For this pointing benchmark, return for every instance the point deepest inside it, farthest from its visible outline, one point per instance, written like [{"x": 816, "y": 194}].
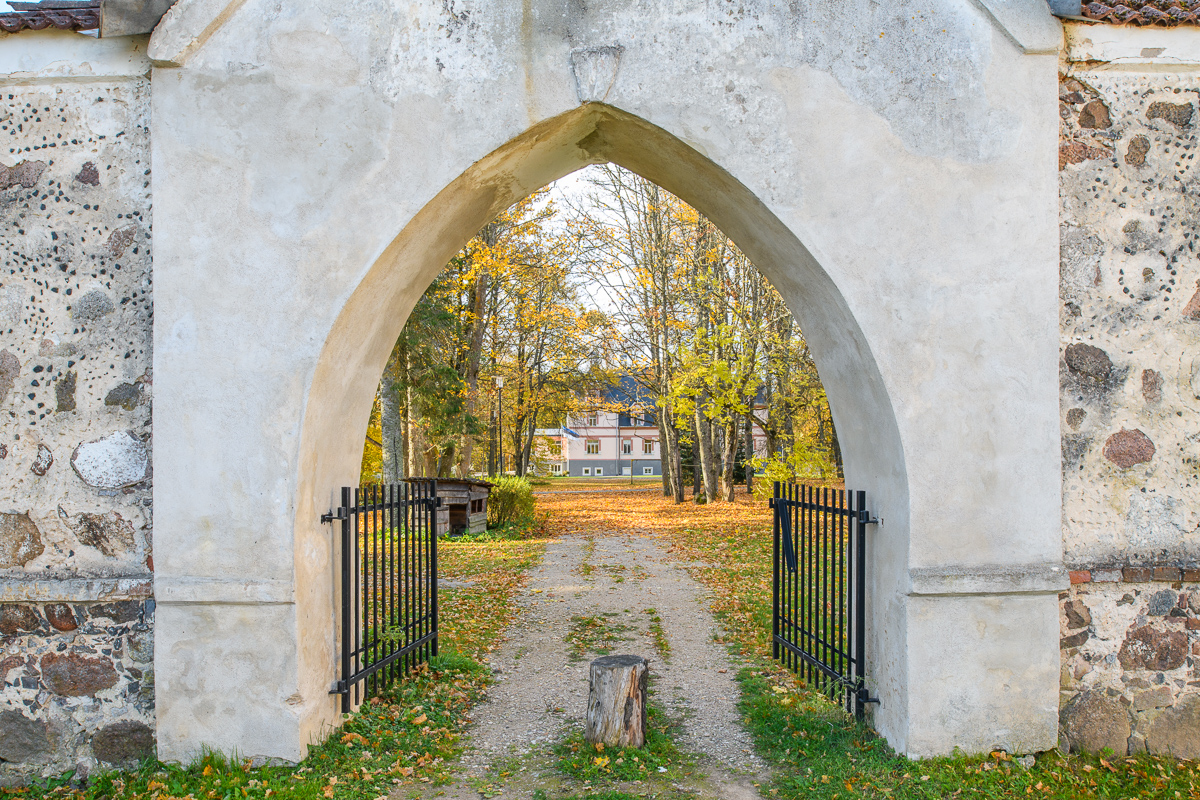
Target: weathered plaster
[{"x": 316, "y": 166}]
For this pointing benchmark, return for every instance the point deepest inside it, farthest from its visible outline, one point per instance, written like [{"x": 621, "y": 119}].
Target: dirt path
[{"x": 599, "y": 593}]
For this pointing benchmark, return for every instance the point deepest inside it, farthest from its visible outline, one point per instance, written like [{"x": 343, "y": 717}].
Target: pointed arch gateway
[
  {"x": 316, "y": 166},
  {"x": 357, "y": 349}
]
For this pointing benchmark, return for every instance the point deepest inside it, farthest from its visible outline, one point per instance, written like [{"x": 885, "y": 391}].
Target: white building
[{"x": 601, "y": 443}]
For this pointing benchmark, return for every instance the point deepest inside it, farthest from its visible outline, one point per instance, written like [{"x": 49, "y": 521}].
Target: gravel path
[{"x": 541, "y": 693}]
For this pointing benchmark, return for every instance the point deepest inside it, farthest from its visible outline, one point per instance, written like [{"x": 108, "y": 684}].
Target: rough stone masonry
[
  {"x": 1130, "y": 381},
  {"x": 76, "y": 644}
]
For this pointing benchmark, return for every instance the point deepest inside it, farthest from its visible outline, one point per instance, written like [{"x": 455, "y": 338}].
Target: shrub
[{"x": 511, "y": 501}]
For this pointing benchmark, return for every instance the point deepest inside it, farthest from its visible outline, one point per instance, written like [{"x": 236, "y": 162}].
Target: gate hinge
[
  {"x": 341, "y": 513},
  {"x": 865, "y": 518},
  {"x": 339, "y": 687}
]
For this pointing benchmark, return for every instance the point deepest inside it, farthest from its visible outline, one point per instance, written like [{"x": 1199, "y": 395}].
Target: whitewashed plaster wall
[{"x": 890, "y": 167}]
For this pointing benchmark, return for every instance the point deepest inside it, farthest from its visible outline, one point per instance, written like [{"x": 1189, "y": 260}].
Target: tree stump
[{"x": 616, "y": 710}]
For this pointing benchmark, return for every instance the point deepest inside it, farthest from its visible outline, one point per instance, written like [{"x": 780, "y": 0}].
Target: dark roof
[
  {"x": 1164, "y": 13},
  {"x": 627, "y": 393},
  {"x": 67, "y": 15}
]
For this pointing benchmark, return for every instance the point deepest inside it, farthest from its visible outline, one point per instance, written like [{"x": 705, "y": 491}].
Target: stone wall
[
  {"x": 1130, "y": 389},
  {"x": 75, "y": 357}
]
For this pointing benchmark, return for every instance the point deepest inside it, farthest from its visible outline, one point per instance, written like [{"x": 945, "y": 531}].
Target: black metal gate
[
  {"x": 389, "y": 584},
  {"x": 819, "y": 614}
]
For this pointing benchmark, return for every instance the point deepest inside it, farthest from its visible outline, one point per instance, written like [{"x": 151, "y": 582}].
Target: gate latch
[{"x": 341, "y": 513}]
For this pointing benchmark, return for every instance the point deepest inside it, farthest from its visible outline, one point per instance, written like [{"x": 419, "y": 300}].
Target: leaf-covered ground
[
  {"x": 815, "y": 750},
  {"x": 410, "y": 736},
  {"x": 413, "y": 736}
]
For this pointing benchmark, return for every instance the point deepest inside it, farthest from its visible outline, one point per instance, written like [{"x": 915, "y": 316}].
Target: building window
[
  {"x": 556, "y": 448},
  {"x": 593, "y": 447},
  {"x": 627, "y": 447},
  {"x": 647, "y": 470},
  {"x": 599, "y": 470},
  {"x": 592, "y": 419},
  {"x": 587, "y": 470},
  {"x": 556, "y": 469},
  {"x": 648, "y": 447}
]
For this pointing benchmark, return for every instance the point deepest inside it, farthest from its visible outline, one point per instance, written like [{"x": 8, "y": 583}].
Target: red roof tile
[
  {"x": 1164, "y": 13},
  {"x": 67, "y": 15}
]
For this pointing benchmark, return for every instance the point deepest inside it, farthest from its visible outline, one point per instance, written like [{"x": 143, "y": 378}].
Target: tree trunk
[
  {"x": 729, "y": 459},
  {"x": 616, "y": 709},
  {"x": 704, "y": 452},
  {"x": 410, "y": 443},
  {"x": 670, "y": 454},
  {"x": 390, "y": 428},
  {"x": 748, "y": 466}
]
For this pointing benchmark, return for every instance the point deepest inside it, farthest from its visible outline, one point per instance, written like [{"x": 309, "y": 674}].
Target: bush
[{"x": 511, "y": 501}]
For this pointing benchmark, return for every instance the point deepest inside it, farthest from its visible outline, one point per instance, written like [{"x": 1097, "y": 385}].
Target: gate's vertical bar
[
  {"x": 860, "y": 611},
  {"x": 420, "y": 574},
  {"x": 802, "y": 572},
  {"x": 806, "y": 585},
  {"x": 794, "y": 610},
  {"x": 775, "y": 555},
  {"x": 389, "y": 526},
  {"x": 843, "y": 637},
  {"x": 433, "y": 568},
  {"x": 409, "y": 491},
  {"x": 358, "y": 581},
  {"x": 788, "y": 577},
  {"x": 371, "y": 584},
  {"x": 425, "y": 574},
  {"x": 823, "y": 575},
  {"x": 346, "y": 601}
]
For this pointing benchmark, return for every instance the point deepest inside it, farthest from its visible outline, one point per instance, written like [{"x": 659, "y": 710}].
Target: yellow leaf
[
  {"x": 208, "y": 770},
  {"x": 350, "y": 738},
  {"x": 600, "y": 761},
  {"x": 329, "y": 791},
  {"x": 421, "y": 720},
  {"x": 155, "y": 786}
]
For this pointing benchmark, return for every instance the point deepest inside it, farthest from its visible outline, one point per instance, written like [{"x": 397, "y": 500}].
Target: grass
[
  {"x": 594, "y": 764},
  {"x": 594, "y": 634},
  {"x": 659, "y": 636},
  {"x": 408, "y": 737},
  {"x": 411, "y": 733},
  {"x": 813, "y": 748}
]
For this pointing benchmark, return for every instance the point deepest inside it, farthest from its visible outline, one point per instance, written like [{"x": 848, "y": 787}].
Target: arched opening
[{"x": 357, "y": 348}]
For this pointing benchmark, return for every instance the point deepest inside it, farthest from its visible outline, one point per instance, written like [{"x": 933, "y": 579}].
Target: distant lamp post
[{"x": 500, "y": 419}]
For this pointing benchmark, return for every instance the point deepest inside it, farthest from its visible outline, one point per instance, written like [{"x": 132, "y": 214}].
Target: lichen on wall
[
  {"x": 1130, "y": 390},
  {"x": 75, "y": 381}
]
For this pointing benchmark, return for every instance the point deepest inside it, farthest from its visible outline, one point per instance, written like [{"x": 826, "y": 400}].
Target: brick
[
  {"x": 1137, "y": 574},
  {"x": 1191, "y": 575},
  {"x": 1081, "y": 576},
  {"x": 1169, "y": 574},
  {"x": 1193, "y": 624},
  {"x": 1108, "y": 575}
]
